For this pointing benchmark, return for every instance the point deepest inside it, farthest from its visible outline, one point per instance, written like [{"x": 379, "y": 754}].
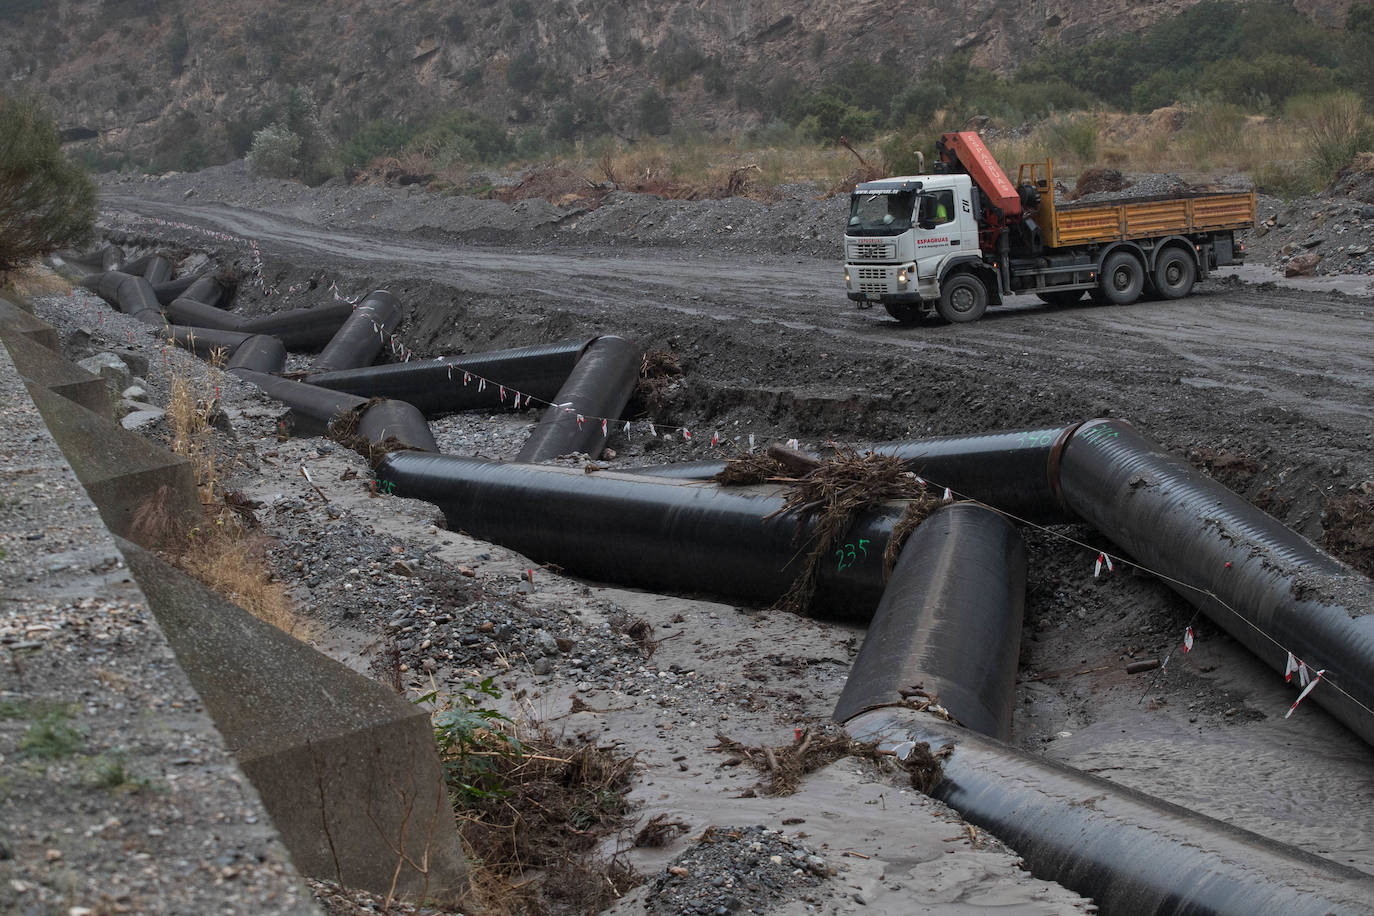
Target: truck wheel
[
  {"x": 963, "y": 297},
  {"x": 1122, "y": 278},
  {"x": 1175, "y": 274},
  {"x": 1061, "y": 296},
  {"x": 904, "y": 312}
]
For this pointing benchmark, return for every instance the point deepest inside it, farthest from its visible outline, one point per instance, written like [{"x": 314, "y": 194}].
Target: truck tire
[
  {"x": 904, "y": 312},
  {"x": 1175, "y": 273},
  {"x": 1061, "y": 296},
  {"x": 1122, "y": 278},
  {"x": 963, "y": 297}
]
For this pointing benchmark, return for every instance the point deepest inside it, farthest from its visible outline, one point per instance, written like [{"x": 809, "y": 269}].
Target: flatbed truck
[{"x": 953, "y": 243}]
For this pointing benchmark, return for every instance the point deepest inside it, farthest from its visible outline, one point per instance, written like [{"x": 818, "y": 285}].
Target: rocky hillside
[{"x": 182, "y": 83}]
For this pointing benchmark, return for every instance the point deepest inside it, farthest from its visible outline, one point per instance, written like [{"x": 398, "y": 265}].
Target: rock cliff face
[{"x": 185, "y": 82}]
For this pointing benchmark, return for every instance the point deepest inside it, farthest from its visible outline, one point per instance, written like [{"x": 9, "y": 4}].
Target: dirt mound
[
  {"x": 559, "y": 186},
  {"x": 1096, "y": 180}
]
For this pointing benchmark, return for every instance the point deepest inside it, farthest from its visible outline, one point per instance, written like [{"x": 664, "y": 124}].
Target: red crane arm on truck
[{"x": 965, "y": 149}]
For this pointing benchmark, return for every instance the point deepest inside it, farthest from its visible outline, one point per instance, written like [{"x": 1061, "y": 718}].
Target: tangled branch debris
[
  {"x": 784, "y": 766},
  {"x": 833, "y": 494}
]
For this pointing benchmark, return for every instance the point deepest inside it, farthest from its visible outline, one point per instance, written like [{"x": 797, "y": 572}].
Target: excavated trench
[{"x": 947, "y": 620}]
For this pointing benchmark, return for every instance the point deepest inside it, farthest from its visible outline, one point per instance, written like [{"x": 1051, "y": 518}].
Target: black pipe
[
  {"x": 302, "y": 329},
  {"x": 648, "y": 533},
  {"x": 948, "y": 622},
  {"x": 159, "y": 270},
  {"x": 259, "y": 352},
  {"x": 186, "y": 310},
  {"x": 1274, "y": 590},
  {"x": 363, "y": 335},
  {"x": 132, "y": 295},
  {"x": 171, "y": 289},
  {"x": 1130, "y": 852},
  {"x": 1013, "y": 472},
  {"x": 390, "y": 423},
  {"x": 679, "y": 470},
  {"x": 312, "y": 408},
  {"x": 205, "y": 341},
  {"x": 137, "y": 266},
  {"x": 599, "y": 386},
  {"x": 437, "y": 386}
]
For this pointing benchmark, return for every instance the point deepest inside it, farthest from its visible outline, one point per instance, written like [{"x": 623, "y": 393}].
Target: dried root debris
[
  {"x": 784, "y": 766},
  {"x": 536, "y": 846},
  {"x": 1348, "y": 529},
  {"x": 831, "y": 497}
]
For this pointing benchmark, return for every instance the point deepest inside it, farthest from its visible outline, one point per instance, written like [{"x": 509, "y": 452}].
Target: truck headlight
[
  {"x": 901, "y": 277},
  {"x": 846, "y": 276}
]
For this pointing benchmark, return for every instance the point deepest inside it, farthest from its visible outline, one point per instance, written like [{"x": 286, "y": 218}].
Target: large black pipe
[
  {"x": 132, "y": 295},
  {"x": 137, "y": 266},
  {"x": 196, "y": 313},
  {"x": 396, "y": 423},
  {"x": 1266, "y": 585},
  {"x": 949, "y": 622},
  {"x": 159, "y": 270},
  {"x": 1014, "y": 472},
  {"x": 363, "y": 335},
  {"x": 648, "y": 533},
  {"x": 437, "y": 386},
  {"x": 599, "y": 386},
  {"x": 205, "y": 341},
  {"x": 312, "y": 408},
  {"x": 1130, "y": 852},
  {"x": 259, "y": 352},
  {"x": 302, "y": 329},
  {"x": 169, "y": 290}
]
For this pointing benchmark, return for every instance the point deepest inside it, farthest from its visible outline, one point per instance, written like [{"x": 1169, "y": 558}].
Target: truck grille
[
  {"x": 873, "y": 279},
  {"x": 872, "y": 251}
]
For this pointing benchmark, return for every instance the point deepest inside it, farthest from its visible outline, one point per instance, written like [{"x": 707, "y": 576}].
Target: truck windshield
[{"x": 880, "y": 214}]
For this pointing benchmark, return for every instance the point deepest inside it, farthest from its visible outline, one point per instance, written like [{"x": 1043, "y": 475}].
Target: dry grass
[
  {"x": 784, "y": 766},
  {"x": 223, "y": 549},
  {"x": 35, "y": 280}
]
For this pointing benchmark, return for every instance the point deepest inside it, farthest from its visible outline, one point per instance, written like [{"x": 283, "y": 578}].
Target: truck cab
[{"x": 904, "y": 235}]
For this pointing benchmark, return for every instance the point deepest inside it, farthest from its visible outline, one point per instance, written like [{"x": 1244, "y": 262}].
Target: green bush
[
  {"x": 525, "y": 71},
  {"x": 375, "y": 138},
  {"x": 654, "y": 115},
  {"x": 463, "y": 137},
  {"x": 47, "y": 202},
  {"x": 1074, "y": 137},
  {"x": 275, "y": 152},
  {"x": 901, "y": 148},
  {"x": 1336, "y": 126}
]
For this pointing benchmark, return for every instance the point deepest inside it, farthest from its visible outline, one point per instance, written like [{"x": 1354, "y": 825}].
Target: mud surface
[{"x": 1268, "y": 387}]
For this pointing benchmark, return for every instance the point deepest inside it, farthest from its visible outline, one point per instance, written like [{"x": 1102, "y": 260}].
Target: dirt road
[{"x": 1269, "y": 388}]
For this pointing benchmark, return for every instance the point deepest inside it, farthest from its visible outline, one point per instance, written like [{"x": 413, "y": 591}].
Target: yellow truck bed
[{"x": 1080, "y": 224}]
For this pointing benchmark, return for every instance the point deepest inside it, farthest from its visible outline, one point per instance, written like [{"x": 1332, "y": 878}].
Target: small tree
[
  {"x": 275, "y": 152},
  {"x": 46, "y": 201}
]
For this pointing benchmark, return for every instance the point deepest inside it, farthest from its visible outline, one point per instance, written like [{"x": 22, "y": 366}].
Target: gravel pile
[{"x": 737, "y": 870}]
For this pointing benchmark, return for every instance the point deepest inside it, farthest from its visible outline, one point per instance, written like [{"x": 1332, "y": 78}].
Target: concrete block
[
  {"x": 40, "y": 365},
  {"x": 120, "y": 470},
  {"x": 108, "y": 366},
  {"x": 347, "y": 769},
  {"x": 28, "y": 324}
]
